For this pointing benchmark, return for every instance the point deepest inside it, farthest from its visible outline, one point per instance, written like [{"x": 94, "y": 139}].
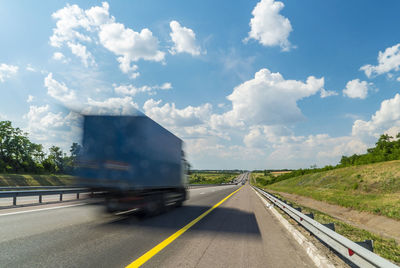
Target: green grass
[
  {"x": 386, "y": 248},
  {"x": 211, "y": 177},
  {"x": 373, "y": 188},
  {"x": 35, "y": 180}
]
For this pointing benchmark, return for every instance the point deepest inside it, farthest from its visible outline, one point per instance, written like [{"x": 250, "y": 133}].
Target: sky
[{"x": 245, "y": 84}]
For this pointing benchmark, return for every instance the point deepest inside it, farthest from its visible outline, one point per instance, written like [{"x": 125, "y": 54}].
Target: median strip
[{"x": 148, "y": 255}]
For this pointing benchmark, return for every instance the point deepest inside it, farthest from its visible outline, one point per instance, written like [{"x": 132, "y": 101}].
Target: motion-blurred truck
[{"x": 133, "y": 163}]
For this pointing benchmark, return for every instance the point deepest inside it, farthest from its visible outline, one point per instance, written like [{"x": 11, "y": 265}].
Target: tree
[
  {"x": 56, "y": 155},
  {"x": 16, "y": 150},
  {"x": 75, "y": 149}
]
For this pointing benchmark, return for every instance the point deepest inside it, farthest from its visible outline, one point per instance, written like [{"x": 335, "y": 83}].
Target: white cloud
[
  {"x": 7, "y": 71},
  {"x": 169, "y": 115},
  {"x": 40, "y": 119},
  {"x": 132, "y": 90},
  {"x": 81, "y": 52},
  {"x": 221, "y": 105},
  {"x": 99, "y": 15},
  {"x": 30, "y": 68},
  {"x": 130, "y": 45},
  {"x": 262, "y": 136},
  {"x": 58, "y": 56},
  {"x": 116, "y": 106},
  {"x": 49, "y": 128},
  {"x": 282, "y": 148},
  {"x": 328, "y": 93},
  {"x": 388, "y": 60},
  {"x": 268, "y": 99},
  {"x": 184, "y": 40},
  {"x": 30, "y": 99},
  {"x": 320, "y": 149},
  {"x": 268, "y": 26},
  {"x": 75, "y": 25},
  {"x": 126, "y": 67},
  {"x": 388, "y": 116},
  {"x": 70, "y": 19},
  {"x": 59, "y": 90},
  {"x": 356, "y": 89}
]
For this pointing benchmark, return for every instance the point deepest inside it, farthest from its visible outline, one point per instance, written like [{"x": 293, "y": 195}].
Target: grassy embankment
[
  {"x": 211, "y": 177},
  {"x": 373, "y": 188},
  {"x": 35, "y": 180}
]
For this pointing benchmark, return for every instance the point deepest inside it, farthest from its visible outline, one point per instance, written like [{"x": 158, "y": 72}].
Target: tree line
[
  {"x": 19, "y": 155},
  {"x": 386, "y": 148}
]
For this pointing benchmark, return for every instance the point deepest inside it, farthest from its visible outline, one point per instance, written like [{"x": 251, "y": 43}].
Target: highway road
[{"x": 240, "y": 232}]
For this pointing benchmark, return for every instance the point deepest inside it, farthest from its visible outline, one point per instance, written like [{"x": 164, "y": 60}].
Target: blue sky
[{"x": 246, "y": 84}]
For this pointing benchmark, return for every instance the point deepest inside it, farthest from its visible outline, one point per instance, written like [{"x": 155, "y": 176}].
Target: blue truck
[{"x": 133, "y": 162}]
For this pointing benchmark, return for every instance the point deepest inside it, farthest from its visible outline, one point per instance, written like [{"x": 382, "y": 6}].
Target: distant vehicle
[{"x": 134, "y": 162}]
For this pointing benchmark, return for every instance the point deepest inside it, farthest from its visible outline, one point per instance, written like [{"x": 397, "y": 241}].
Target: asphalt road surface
[{"x": 238, "y": 233}]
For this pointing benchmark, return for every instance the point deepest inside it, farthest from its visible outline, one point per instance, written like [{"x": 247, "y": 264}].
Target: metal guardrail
[
  {"x": 353, "y": 252},
  {"x": 17, "y": 188},
  {"x": 41, "y": 193}
]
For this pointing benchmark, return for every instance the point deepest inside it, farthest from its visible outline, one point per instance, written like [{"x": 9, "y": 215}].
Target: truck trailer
[{"x": 133, "y": 163}]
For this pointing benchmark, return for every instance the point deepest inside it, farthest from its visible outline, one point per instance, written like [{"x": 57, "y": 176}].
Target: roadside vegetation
[
  {"x": 384, "y": 247},
  {"x": 373, "y": 188},
  {"x": 210, "y": 177},
  {"x": 35, "y": 180},
  {"x": 19, "y": 155}
]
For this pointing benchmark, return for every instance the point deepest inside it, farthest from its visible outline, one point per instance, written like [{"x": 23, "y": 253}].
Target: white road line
[
  {"x": 202, "y": 193},
  {"x": 41, "y": 209}
]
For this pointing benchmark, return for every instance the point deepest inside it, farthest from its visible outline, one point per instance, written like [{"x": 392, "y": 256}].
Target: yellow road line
[{"x": 149, "y": 254}]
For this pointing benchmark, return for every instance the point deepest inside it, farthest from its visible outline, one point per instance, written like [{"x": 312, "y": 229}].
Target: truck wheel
[
  {"x": 110, "y": 207},
  {"x": 154, "y": 205},
  {"x": 151, "y": 208},
  {"x": 179, "y": 203}
]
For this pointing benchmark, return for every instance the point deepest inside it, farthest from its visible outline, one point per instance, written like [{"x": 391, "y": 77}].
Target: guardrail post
[
  {"x": 330, "y": 225},
  {"x": 61, "y": 197},
  {"x": 311, "y": 215},
  {"x": 14, "y": 200},
  {"x": 40, "y": 198},
  {"x": 77, "y": 195},
  {"x": 368, "y": 244}
]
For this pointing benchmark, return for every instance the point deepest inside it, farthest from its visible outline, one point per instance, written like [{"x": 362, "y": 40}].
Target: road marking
[
  {"x": 202, "y": 193},
  {"x": 41, "y": 209},
  {"x": 149, "y": 254}
]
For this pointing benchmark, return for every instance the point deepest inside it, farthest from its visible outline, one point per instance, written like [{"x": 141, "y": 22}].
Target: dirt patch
[{"x": 381, "y": 225}]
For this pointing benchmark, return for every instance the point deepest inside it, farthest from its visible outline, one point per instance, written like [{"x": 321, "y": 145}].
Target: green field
[
  {"x": 211, "y": 177},
  {"x": 374, "y": 187},
  {"x": 35, "y": 180}
]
